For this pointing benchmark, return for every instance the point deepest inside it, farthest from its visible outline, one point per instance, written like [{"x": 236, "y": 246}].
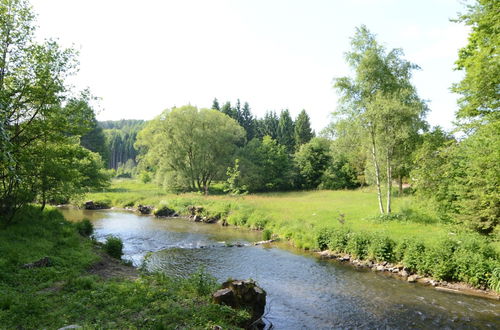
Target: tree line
[{"x": 378, "y": 136}]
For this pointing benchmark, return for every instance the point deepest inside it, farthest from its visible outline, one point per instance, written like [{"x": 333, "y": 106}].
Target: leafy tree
[
  {"x": 430, "y": 176},
  {"x": 346, "y": 145},
  {"x": 233, "y": 185},
  {"x": 480, "y": 60},
  {"x": 340, "y": 174},
  {"x": 462, "y": 176},
  {"x": 189, "y": 147},
  {"x": 381, "y": 102},
  {"x": 265, "y": 166},
  {"x": 38, "y": 112},
  {"x": 312, "y": 159},
  {"x": 286, "y": 131},
  {"x": 303, "y": 131}
]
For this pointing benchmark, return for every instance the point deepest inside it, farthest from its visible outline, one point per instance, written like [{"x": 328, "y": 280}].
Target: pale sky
[{"x": 141, "y": 57}]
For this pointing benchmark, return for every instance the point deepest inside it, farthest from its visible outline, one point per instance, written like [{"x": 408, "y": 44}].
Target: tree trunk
[
  {"x": 400, "y": 183},
  {"x": 389, "y": 183},
  {"x": 377, "y": 175}
]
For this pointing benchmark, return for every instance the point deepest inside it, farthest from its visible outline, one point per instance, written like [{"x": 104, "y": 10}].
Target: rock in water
[{"x": 242, "y": 294}]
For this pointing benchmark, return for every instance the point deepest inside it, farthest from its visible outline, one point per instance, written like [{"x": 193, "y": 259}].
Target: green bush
[
  {"x": 114, "y": 247},
  {"x": 339, "y": 239},
  {"x": 413, "y": 255},
  {"x": 257, "y": 221},
  {"x": 266, "y": 234},
  {"x": 358, "y": 244},
  {"x": 382, "y": 248},
  {"x": 438, "y": 261},
  {"x": 400, "y": 249},
  {"x": 85, "y": 227},
  {"x": 237, "y": 218},
  {"x": 323, "y": 238}
]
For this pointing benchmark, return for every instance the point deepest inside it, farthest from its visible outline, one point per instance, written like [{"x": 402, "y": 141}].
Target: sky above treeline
[{"x": 141, "y": 57}]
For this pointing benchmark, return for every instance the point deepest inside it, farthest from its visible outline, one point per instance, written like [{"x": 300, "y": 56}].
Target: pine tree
[
  {"x": 215, "y": 104},
  {"x": 226, "y": 109},
  {"x": 303, "y": 131},
  {"x": 247, "y": 121},
  {"x": 269, "y": 125},
  {"x": 286, "y": 131}
]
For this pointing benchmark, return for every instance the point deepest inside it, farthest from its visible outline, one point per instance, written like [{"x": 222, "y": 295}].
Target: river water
[{"x": 302, "y": 290}]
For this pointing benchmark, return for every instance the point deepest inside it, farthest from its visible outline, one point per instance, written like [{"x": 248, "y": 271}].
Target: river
[{"x": 303, "y": 291}]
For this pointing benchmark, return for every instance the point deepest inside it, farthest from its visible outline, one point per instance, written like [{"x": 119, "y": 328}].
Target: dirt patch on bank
[{"x": 109, "y": 267}]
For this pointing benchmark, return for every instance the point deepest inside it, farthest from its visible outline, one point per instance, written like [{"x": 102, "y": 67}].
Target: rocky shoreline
[{"x": 400, "y": 272}]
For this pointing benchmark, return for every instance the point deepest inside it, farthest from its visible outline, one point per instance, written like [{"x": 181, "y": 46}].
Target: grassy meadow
[{"x": 290, "y": 215}]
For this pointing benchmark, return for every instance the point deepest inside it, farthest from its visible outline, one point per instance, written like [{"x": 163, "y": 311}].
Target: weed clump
[
  {"x": 85, "y": 227},
  {"x": 114, "y": 247}
]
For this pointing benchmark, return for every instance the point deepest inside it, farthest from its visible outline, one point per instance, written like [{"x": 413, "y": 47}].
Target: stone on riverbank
[
  {"x": 242, "y": 294},
  {"x": 144, "y": 209},
  {"x": 91, "y": 205},
  {"x": 164, "y": 212}
]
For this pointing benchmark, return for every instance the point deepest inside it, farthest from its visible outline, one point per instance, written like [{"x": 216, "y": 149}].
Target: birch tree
[{"x": 380, "y": 102}]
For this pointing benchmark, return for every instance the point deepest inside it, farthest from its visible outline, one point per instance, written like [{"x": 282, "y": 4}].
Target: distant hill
[{"x": 120, "y": 138}]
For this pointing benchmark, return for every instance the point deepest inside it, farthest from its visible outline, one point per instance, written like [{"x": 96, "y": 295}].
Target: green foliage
[
  {"x": 199, "y": 144},
  {"x": 312, "y": 159},
  {"x": 382, "y": 248},
  {"x": 233, "y": 185},
  {"x": 267, "y": 234},
  {"x": 382, "y": 105},
  {"x": 64, "y": 293},
  {"x": 145, "y": 177},
  {"x": 338, "y": 239},
  {"x": 358, "y": 244},
  {"x": 265, "y": 166},
  {"x": 114, "y": 247},
  {"x": 85, "y": 227},
  {"x": 286, "y": 131},
  {"x": 41, "y": 118},
  {"x": 479, "y": 60},
  {"x": 339, "y": 175},
  {"x": 268, "y": 126},
  {"x": 462, "y": 177},
  {"x": 414, "y": 253},
  {"x": 302, "y": 129}
]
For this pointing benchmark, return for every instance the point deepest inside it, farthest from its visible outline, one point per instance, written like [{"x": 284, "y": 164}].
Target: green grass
[
  {"x": 65, "y": 293},
  {"x": 291, "y": 214}
]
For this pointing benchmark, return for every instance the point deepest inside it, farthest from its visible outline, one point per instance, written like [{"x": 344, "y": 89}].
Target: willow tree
[
  {"x": 188, "y": 148},
  {"x": 380, "y": 102}
]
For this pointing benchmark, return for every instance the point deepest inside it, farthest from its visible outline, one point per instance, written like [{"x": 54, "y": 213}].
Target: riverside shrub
[
  {"x": 114, "y": 247},
  {"x": 85, "y": 227},
  {"x": 339, "y": 239},
  {"x": 358, "y": 244},
  {"x": 381, "y": 248}
]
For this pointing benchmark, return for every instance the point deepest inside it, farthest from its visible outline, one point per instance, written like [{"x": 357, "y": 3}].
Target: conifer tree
[{"x": 303, "y": 131}]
